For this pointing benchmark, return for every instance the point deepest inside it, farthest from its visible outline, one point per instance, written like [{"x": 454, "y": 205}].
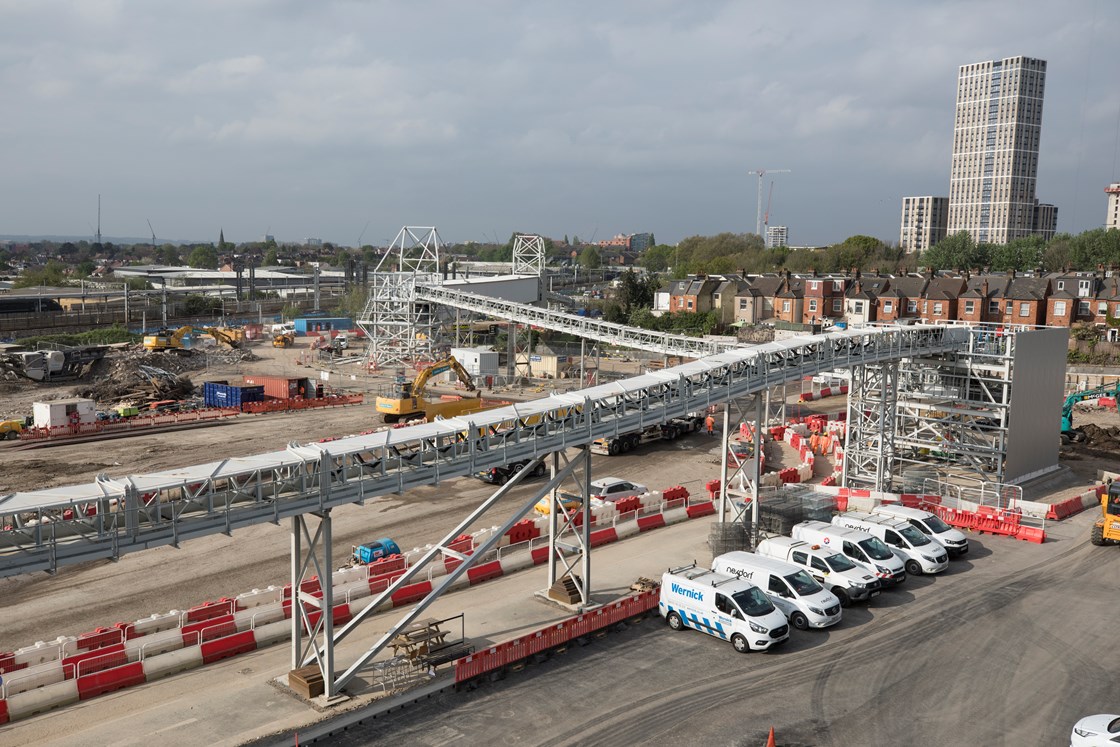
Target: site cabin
[
  {"x": 675, "y": 428},
  {"x": 62, "y": 412}
]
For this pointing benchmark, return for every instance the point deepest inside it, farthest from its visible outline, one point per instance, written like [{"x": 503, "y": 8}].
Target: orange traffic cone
[{"x": 770, "y": 739}]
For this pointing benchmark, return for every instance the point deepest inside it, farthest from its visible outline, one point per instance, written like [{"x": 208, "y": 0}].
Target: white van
[
  {"x": 806, "y": 603},
  {"x": 849, "y": 582},
  {"x": 859, "y": 547},
  {"x": 919, "y": 553},
  {"x": 953, "y": 540},
  {"x": 724, "y": 606}
]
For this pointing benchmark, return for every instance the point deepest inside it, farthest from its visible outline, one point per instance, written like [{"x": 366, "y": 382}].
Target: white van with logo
[
  {"x": 848, "y": 581},
  {"x": 723, "y": 606},
  {"x": 859, "y": 547},
  {"x": 919, "y": 553},
  {"x": 953, "y": 540},
  {"x": 806, "y": 603}
]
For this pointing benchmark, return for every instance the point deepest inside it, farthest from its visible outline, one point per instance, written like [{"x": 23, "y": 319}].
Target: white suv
[{"x": 613, "y": 489}]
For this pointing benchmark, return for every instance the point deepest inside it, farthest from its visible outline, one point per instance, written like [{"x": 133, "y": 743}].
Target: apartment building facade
[
  {"x": 996, "y": 134},
  {"x": 924, "y": 222}
]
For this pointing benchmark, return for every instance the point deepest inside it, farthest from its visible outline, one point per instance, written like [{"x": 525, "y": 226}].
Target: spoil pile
[{"x": 1096, "y": 437}]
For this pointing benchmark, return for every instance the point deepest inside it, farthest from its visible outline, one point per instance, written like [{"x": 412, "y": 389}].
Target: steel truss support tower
[
  {"x": 400, "y": 329},
  {"x": 528, "y": 255},
  {"x": 869, "y": 453},
  {"x": 312, "y": 552},
  {"x": 956, "y": 405},
  {"x": 568, "y": 550}
]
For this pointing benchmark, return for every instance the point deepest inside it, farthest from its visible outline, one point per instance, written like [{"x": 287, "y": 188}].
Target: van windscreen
[
  {"x": 936, "y": 525},
  {"x": 913, "y": 536},
  {"x": 803, "y": 584},
  {"x": 876, "y": 549},
  {"x": 753, "y": 602},
  {"x": 838, "y": 562}
]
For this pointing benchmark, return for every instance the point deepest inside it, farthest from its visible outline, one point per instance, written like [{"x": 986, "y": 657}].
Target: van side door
[
  {"x": 727, "y": 614},
  {"x": 894, "y": 539},
  {"x": 920, "y": 526},
  {"x": 818, "y": 568},
  {"x": 853, "y": 551},
  {"x": 780, "y": 594}
]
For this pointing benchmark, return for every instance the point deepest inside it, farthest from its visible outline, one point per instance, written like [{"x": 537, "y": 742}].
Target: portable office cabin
[{"x": 59, "y": 412}]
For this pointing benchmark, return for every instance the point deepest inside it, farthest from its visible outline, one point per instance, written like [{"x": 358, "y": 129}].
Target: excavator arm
[
  {"x": 420, "y": 383},
  {"x": 1109, "y": 390}
]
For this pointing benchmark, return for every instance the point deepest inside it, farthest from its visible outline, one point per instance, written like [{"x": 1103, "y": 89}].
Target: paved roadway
[{"x": 1009, "y": 647}]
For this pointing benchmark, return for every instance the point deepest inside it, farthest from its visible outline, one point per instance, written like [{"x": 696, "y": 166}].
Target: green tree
[
  {"x": 85, "y": 268},
  {"x": 53, "y": 273},
  {"x": 204, "y": 257},
  {"x": 590, "y": 258},
  {"x": 169, "y": 255},
  {"x": 270, "y": 259},
  {"x": 635, "y": 292}
]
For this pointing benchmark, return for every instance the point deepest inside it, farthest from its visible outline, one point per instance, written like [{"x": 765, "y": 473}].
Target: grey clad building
[
  {"x": 924, "y": 222},
  {"x": 995, "y": 152}
]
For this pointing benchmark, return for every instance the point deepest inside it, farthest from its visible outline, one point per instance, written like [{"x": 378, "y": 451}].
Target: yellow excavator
[
  {"x": 284, "y": 340},
  {"x": 166, "y": 339},
  {"x": 1106, "y": 530},
  {"x": 408, "y": 403}
]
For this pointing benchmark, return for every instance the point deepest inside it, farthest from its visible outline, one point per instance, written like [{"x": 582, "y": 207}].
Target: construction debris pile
[
  {"x": 1096, "y": 437},
  {"x": 136, "y": 383},
  {"x": 138, "y": 376}
]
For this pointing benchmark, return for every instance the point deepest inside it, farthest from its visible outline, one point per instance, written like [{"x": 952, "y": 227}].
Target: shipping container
[
  {"x": 278, "y": 387},
  {"x": 232, "y": 397}
]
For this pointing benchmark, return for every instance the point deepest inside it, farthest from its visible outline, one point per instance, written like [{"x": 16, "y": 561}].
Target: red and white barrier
[{"x": 51, "y": 675}]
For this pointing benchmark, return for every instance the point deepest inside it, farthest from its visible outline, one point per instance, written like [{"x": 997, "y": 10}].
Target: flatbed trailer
[{"x": 670, "y": 431}]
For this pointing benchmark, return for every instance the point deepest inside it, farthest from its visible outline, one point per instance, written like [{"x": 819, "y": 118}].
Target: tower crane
[
  {"x": 758, "y": 214},
  {"x": 769, "y": 201}
]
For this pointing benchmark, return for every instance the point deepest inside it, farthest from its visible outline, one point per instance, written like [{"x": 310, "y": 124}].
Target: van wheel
[
  {"x": 845, "y": 600},
  {"x": 539, "y": 471},
  {"x": 740, "y": 644},
  {"x": 913, "y": 567},
  {"x": 799, "y": 621},
  {"x": 675, "y": 621}
]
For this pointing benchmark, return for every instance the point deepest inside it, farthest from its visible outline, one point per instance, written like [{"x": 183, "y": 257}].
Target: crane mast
[{"x": 758, "y": 214}]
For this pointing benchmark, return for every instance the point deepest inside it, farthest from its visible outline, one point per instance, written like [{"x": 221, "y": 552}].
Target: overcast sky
[{"x": 311, "y": 118}]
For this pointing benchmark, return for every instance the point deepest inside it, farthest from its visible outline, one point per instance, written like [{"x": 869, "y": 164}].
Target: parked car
[
  {"x": 1096, "y": 731},
  {"x": 615, "y": 489},
  {"x": 503, "y": 474}
]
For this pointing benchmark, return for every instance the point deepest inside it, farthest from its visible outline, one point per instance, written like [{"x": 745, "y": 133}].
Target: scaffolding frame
[
  {"x": 945, "y": 413},
  {"x": 401, "y": 330}
]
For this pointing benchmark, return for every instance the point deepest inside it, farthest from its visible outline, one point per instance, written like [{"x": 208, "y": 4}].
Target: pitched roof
[
  {"x": 906, "y": 287},
  {"x": 945, "y": 288}
]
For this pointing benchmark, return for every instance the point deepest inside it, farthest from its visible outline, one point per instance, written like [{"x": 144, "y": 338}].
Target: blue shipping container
[{"x": 227, "y": 396}]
